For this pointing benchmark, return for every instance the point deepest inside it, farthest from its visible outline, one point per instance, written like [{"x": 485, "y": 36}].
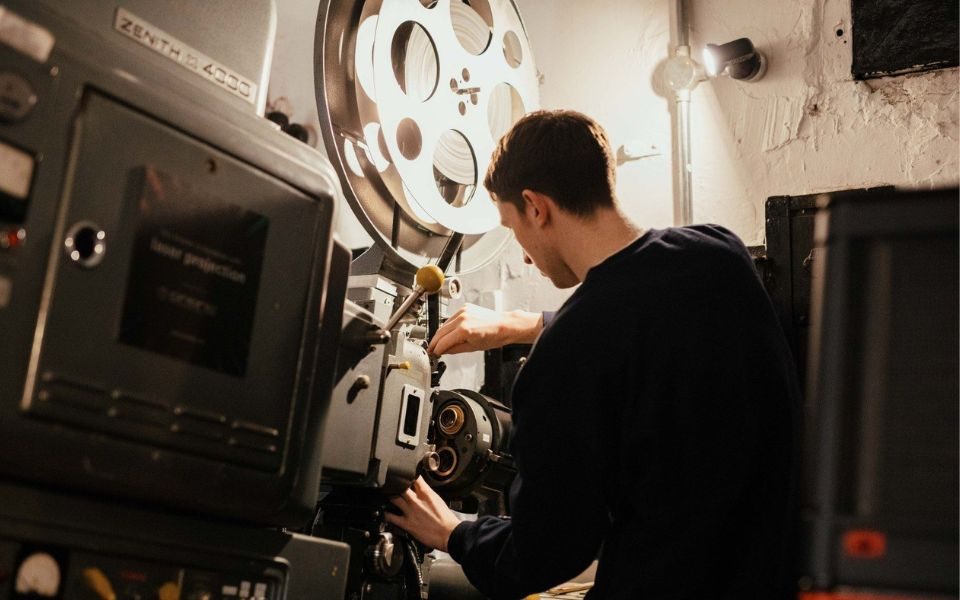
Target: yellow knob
[
  {"x": 169, "y": 591},
  {"x": 430, "y": 278},
  {"x": 99, "y": 584}
]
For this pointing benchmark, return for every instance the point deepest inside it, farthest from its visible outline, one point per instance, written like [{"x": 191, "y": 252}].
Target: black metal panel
[
  {"x": 135, "y": 553},
  {"x": 174, "y": 452},
  {"x": 903, "y": 36},
  {"x": 790, "y": 259},
  {"x": 500, "y": 368},
  {"x": 884, "y": 380}
]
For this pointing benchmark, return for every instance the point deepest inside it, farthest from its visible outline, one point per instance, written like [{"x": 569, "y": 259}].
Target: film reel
[{"x": 413, "y": 96}]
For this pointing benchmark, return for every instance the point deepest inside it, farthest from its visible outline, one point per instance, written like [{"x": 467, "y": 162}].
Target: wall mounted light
[
  {"x": 738, "y": 58},
  {"x": 678, "y": 75}
]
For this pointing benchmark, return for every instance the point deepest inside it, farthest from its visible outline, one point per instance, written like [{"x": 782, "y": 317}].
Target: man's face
[{"x": 538, "y": 249}]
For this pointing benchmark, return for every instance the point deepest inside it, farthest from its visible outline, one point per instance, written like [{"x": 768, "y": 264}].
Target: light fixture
[
  {"x": 680, "y": 72},
  {"x": 738, "y": 58}
]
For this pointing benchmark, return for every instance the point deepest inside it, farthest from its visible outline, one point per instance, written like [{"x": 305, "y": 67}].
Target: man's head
[
  {"x": 553, "y": 171},
  {"x": 560, "y": 153}
]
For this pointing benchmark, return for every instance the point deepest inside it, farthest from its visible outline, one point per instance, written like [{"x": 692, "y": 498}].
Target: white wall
[
  {"x": 599, "y": 58},
  {"x": 806, "y": 127},
  {"x": 292, "y": 91}
]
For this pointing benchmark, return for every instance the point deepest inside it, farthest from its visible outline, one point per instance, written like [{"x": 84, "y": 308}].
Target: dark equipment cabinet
[
  {"x": 865, "y": 283},
  {"x": 790, "y": 255},
  {"x": 59, "y": 545},
  {"x": 170, "y": 304},
  {"x": 501, "y": 366}
]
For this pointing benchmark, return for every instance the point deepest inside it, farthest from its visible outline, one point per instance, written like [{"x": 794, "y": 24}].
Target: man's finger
[
  {"x": 442, "y": 343},
  {"x": 459, "y": 348},
  {"x": 443, "y": 332},
  {"x": 452, "y": 322},
  {"x": 421, "y": 488},
  {"x": 444, "y": 346},
  {"x": 393, "y": 519},
  {"x": 432, "y": 347},
  {"x": 398, "y": 501},
  {"x": 459, "y": 313},
  {"x": 441, "y": 339}
]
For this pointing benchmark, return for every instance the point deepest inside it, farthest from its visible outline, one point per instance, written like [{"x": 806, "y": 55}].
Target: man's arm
[
  {"x": 475, "y": 328},
  {"x": 559, "y": 514}
]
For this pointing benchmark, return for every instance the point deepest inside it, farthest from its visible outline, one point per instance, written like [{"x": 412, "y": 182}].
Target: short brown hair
[{"x": 561, "y": 153}]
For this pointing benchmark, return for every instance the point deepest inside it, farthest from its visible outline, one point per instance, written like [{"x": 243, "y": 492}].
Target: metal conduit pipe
[{"x": 683, "y": 194}]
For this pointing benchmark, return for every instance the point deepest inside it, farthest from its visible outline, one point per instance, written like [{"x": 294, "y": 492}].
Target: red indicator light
[
  {"x": 11, "y": 238},
  {"x": 865, "y": 543}
]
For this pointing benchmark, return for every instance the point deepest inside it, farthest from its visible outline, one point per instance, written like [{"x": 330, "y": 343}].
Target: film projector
[{"x": 203, "y": 393}]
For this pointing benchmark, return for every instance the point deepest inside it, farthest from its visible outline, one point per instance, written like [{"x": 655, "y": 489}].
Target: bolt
[{"x": 431, "y": 461}]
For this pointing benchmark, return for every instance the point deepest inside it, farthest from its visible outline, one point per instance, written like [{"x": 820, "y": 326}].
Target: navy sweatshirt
[{"x": 655, "y": 427}]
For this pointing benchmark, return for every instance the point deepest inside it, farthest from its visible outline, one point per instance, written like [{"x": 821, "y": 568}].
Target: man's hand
[
  {"x": 425, "y": 515},
  {"x": 475, "y": 328}
]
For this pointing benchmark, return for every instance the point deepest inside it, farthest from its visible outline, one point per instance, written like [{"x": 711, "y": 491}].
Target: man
[{"x": 655, "y": 419}]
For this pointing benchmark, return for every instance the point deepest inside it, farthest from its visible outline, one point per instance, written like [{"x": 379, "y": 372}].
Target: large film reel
[{"x": 413, "y": 96}]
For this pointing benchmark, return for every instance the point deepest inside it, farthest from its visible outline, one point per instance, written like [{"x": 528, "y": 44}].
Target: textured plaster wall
[{"x": 806, "y": 127}]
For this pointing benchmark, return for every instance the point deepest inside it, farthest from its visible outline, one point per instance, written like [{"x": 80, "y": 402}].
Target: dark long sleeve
[
  {"x": 656, "y": 416},
  {"x": 558, "y": 510}
]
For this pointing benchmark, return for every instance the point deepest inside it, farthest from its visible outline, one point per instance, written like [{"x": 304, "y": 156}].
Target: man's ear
[{"x": 538, "y": 207}]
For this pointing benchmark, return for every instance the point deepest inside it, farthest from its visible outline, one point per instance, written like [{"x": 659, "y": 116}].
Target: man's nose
[{"x": 527, "y": 259}]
